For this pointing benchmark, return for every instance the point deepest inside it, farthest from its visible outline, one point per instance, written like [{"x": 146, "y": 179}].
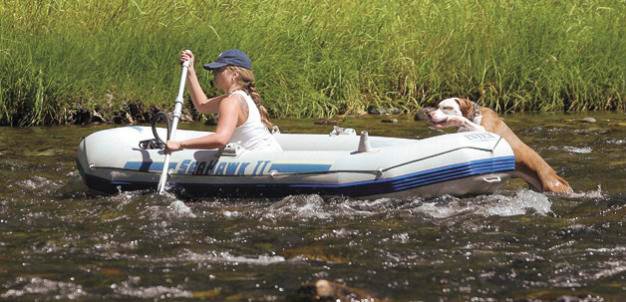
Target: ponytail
[
  {"x": 246, "y": 78},
  {"x": 256, "y": 97}
]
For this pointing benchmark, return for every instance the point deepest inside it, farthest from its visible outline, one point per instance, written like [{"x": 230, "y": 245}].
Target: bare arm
[
  {"x": 202, "y": 103},
  {"x": 228, "y": 110}
]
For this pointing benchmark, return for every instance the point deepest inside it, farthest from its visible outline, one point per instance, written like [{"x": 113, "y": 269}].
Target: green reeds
[{"x": 314, "y": 58}]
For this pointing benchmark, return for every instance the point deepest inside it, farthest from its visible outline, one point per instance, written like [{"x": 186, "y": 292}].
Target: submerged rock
[
  {"x": 315, "y": 253},
  {"x": 41, "y": 152},
  {"x": 325, "y": 122},
  {"x": 324, "y": 290},
  {"x": 588, "y": 119}
]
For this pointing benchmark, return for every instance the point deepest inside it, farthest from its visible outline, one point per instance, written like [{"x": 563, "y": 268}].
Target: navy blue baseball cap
[{"x": 233, "y": 57}]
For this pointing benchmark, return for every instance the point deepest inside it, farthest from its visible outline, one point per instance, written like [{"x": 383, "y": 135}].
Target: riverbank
[{"x": 62, "y": 60}]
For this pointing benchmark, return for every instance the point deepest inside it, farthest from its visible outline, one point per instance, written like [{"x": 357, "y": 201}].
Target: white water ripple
[
  {"x": 489, "y": 205},
  {"x": 226, "y": 257},
  {"x": 40, "y": 286},
  {"x": 130, "y": 288},
  {"x": 577, "y": 150}
]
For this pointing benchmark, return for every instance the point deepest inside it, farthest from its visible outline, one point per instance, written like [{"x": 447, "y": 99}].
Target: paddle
[{"x": 178, "y": 107}]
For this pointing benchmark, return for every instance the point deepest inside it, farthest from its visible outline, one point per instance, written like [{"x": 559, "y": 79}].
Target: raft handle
[
  {"x": 157, "y": 142},
  {"x": 492, "y": 179}
]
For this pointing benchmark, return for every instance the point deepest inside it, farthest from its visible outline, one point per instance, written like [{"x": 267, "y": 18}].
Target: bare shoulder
[
  {"x": 230, "y": 101},
  {"x": 229, "y": 105}
]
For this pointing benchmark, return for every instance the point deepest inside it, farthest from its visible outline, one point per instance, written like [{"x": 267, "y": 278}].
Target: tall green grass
[{"x": 314, "y": 57}]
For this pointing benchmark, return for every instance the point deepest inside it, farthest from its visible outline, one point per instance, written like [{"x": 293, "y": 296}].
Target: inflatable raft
[{"x": 342, "y": 163}]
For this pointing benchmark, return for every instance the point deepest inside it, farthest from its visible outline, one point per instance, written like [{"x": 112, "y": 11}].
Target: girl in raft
[{"x": 242, "y": 117}]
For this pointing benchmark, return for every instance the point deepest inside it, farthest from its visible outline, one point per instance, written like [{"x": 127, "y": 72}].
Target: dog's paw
[
  {"x": 556, "y": 186},
  {"x": 450, "y": 121}
]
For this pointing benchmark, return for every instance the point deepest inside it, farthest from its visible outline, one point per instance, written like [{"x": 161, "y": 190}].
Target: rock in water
[
  {"x": 324, "y": 290},
  {"x": 325, "y": 122},
  {"x": 390, "y": 120},
  {"x": 373, "y": 110},
  {"x": 588, "y": 119}
]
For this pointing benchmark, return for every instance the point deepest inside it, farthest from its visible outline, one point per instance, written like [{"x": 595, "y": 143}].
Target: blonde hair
[{"x": 246, "y": 80}]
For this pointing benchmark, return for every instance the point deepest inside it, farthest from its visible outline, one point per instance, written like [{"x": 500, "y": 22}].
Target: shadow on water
[{"x": 59, "y": 241}]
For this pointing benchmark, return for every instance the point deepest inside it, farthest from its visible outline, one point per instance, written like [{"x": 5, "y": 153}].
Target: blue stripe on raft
[
  {"x": 458, "y": 170},
  {"x": 413, "y": 180},
  {"x": 360, "y": 188},
  {"x": 430, "y": 176},
  {"x": 299, "y": 168},
  {"x": 460, "y": 173},
  {"x": 147, "y": 166}
]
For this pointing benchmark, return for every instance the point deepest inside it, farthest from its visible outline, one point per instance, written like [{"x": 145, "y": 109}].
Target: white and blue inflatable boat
[{"x": 342, "y": 163}]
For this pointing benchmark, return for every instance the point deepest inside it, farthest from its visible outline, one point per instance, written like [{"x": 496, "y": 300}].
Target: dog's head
[{"x": 451, "y": 107}]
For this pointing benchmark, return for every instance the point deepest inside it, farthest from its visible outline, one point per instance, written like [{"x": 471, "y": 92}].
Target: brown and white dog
[{"x": 469, "y": 116}]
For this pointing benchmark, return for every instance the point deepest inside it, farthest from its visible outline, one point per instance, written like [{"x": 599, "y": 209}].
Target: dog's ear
[{"x": 466, "y": 106}]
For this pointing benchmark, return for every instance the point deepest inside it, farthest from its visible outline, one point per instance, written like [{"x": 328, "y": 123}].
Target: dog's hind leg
[
  {"x": 535, "y": 168},
  {"x": 528, "y": 175},
  {"x": 550, "y": 181}
]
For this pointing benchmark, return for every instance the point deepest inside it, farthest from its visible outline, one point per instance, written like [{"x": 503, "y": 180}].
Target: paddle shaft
[{"x": 178, "y": 108}]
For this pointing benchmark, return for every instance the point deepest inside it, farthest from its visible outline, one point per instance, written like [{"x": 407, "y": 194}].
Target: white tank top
[{"x": 252, "y": 134}]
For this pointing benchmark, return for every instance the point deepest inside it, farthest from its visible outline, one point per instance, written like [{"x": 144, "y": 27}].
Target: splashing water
[
  {"x": 59, "y": 241},
  {"x": 41, "y": 286}
]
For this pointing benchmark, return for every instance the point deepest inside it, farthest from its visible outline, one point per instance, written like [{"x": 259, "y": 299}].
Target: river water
[{"x": 58, "y": 241}]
